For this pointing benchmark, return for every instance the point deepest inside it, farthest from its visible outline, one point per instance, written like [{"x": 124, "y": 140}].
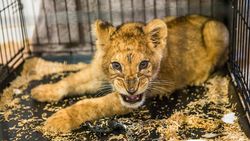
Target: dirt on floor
[{"x": 203, "y": 112}]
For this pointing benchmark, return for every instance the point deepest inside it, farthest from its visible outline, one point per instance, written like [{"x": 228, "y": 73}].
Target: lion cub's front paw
[
  {"x": 60, "y": 122},
  {"x": 47, "y": 93}
]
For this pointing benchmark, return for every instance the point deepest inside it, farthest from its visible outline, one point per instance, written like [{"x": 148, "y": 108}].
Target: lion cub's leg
[
  {"x": 216, "y": 38},
  {"x": 72, "y": 117},
  {"x": 81, "y": 82},
  {"x": 35, "y": 66}
]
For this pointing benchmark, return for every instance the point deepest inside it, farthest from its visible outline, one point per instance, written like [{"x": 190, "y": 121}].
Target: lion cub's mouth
[{"x": 132, "y": 98}]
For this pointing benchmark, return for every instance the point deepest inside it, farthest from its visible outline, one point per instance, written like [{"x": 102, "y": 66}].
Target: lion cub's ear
[
  {"x": 156, "y": 32},
  {"x": 102, "y": 31}
]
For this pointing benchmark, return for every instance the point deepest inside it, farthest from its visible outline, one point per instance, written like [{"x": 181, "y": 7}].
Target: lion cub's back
[{"x": 195, "y": 46}]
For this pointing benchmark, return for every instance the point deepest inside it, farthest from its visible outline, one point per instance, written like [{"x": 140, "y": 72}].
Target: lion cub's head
[{"x": 131, "y": 56}]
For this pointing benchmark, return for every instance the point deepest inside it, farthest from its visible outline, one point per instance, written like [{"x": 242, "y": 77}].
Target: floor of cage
[{"x": 191, "y": 113}]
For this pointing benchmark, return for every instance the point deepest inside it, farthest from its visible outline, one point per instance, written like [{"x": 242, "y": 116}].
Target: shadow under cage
[{"x": 63, "y": 27}]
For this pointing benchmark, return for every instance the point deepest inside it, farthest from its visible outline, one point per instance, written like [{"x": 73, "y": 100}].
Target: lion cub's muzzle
[{"x": 132, "y": 96}]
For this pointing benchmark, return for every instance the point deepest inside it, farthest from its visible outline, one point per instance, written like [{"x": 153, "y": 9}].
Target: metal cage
[
  {"x": 13, "y": 37},
  {"x": 239, "y": 58},
  {"x": 14, "y": 46},
  {"x": 75, "y": 19}
]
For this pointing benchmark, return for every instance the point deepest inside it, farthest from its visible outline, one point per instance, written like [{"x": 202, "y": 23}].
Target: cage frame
[{"x": 238, "y": 30}]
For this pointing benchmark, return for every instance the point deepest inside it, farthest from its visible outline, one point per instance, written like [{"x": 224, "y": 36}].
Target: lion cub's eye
[
  {"x": 116, "y": 66},
  {"x": 143, "y": 65}
]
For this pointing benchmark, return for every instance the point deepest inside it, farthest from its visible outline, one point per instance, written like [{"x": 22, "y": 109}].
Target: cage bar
[
  {"x": 87, "y": 11},
  {"x": 14, "y": 41},
  {"x": 239, "y": 52},
  {"x": 13, "y": 38}
]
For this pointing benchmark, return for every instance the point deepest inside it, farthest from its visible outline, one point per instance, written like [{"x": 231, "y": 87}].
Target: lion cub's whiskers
[
  {"x": 160, "y": 86},
  {"x": 104, "y": 89},
  {"x": 103, "y": 92}
]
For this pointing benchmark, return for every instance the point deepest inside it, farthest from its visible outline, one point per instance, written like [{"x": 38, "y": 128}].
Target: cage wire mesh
[
  {"x": 240, "y": 51},
  {"x": 13, "y": 37},
  {"x": 65, "y": 27}
]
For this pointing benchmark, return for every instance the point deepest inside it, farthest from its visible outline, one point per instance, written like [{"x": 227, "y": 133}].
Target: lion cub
[{"x": 138, "y": 60}]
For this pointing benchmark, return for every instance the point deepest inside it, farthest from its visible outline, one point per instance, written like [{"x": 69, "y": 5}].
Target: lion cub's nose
[{"x": 131, "y": 84}]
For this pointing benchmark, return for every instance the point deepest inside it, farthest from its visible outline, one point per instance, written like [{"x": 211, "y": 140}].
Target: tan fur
[
  {"x": 85, "y": 110},
  {"x": 180, "y": 51}
]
